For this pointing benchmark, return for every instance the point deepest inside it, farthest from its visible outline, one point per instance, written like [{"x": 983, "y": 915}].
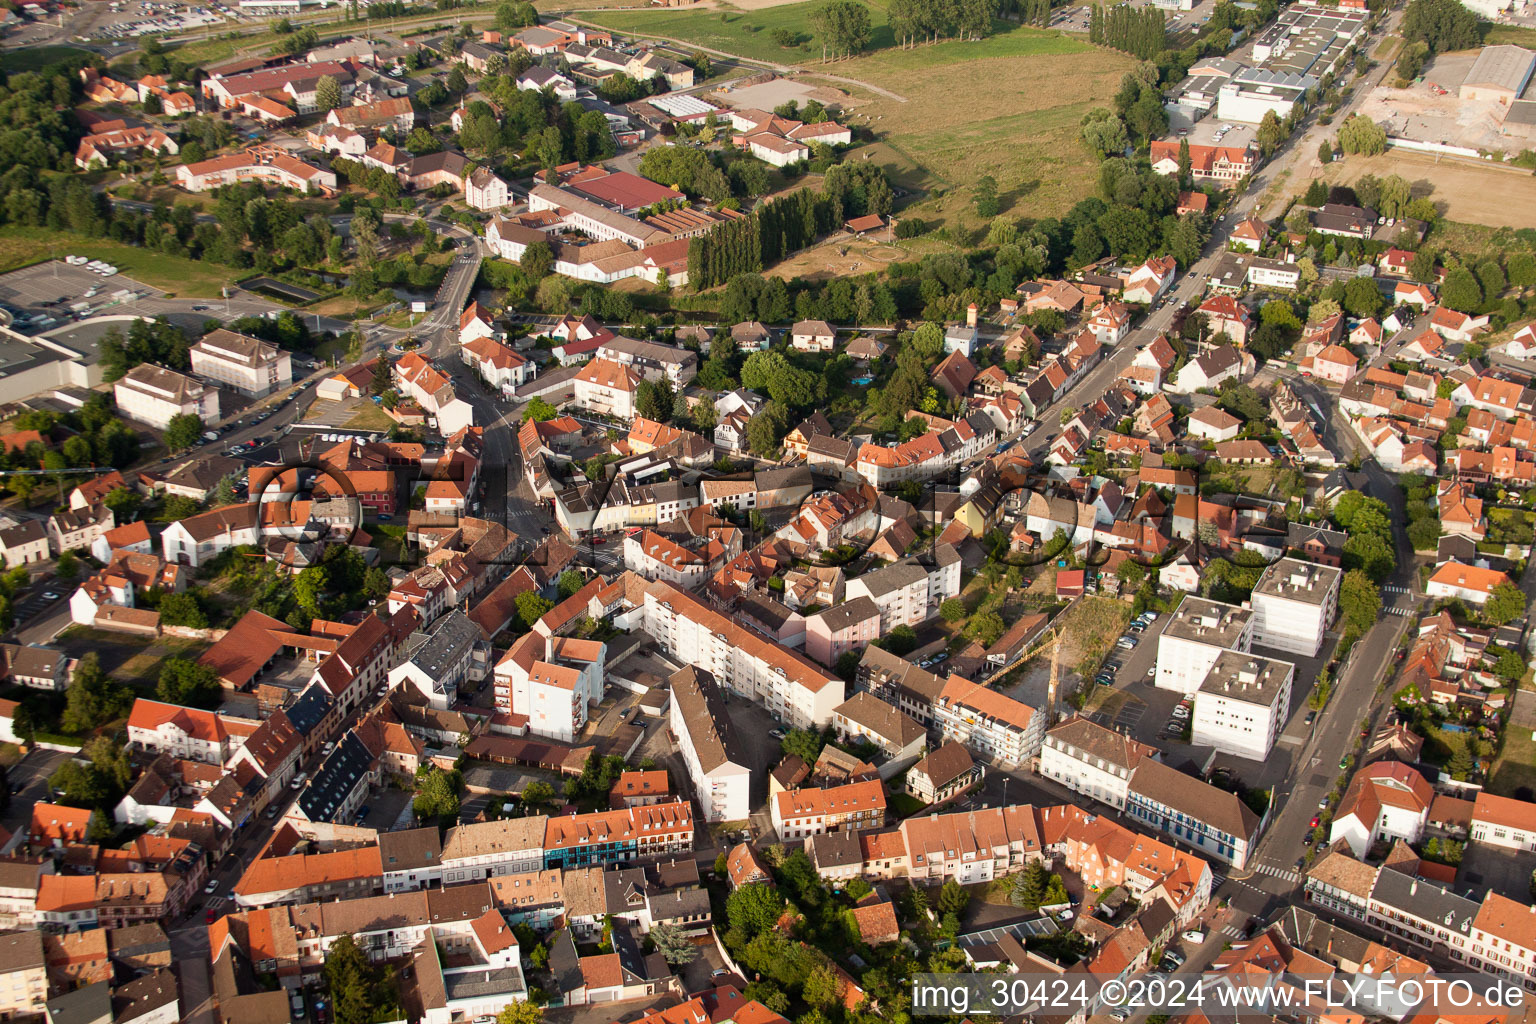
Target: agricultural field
[
  {"x": 749, "y": 34},
  {"x": 1472, "y": 193},
  {"x": 34, "y": 58},
  {"x": 177, "y": 277},
  {"x": 1022, "y": 130}
]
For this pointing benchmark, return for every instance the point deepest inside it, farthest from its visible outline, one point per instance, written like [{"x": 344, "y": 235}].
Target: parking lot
[
  {"x": 47, "y": 295},
  {"x": 142, "y": 19}
]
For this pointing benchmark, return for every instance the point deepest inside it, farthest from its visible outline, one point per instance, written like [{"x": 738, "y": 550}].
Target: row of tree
[
  {"x": 784, "y": 226},
  {"x": 1136, "y": 30}
]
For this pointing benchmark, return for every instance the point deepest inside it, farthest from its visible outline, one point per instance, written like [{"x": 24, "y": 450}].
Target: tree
[
  {"x": 183, "y": 431},
  {"x": 182, "y": 610},
  {"x": 1461, "y": 765},
  {"x": 952, "y": 898},
  {"x": 570, "y": 582},
  {"x": 437, "y": 793},
  {"x": 901, "y": 641},
  {"x": 843, "y": 26},
  {"x": 327, "y": 93},
  {"x": 382, "y": 380},
  {"x": 1361, "y": 297},
  {"x": 952, "y": 610},
  {"x": 537, "y": 793},
  {"x": 1505, "y": 604},
  {"x": 539, "y": 411},
  {"x": 675, "y": 947},
  {"x": 753, "y": 908},
  {"x": 1461, "y": 291},
  {"x": 531, "y": 607},
  {"x": 521, "y": 1013},
  {"x": 986, "y": 628},
  {"x": 538, "y": 260},
  {"x": 188, "y": 683},
  {"x": 1028, "y": 889},
  {"x": 1359, "y": 602},
  {"x": 805, "y": 744},
  {"x": 66, "y": 566},
  {"x": 822, "y": 989},
  {"x": 1442, "y": 25},
  {"x": 984, "y": 194},
  {"x": 1359, "y": 134}
]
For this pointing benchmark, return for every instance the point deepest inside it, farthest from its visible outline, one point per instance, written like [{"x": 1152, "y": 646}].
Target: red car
[
  {"x": 211, "y": 916},
  {"x": 599, "y": 540},
  {"x": 1316, "y": 821}
]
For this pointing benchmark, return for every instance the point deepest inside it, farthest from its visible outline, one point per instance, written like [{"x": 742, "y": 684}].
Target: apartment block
[
  {"x": 248, "y": 365},
  {"x": 1294, "y": 603},
  {"x": 710, "y": 747},
  {"x": 1196, "y": 634},
  {"x": 1242, "y": 704}
]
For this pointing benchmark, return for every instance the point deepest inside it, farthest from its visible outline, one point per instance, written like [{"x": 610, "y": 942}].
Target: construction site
[{"x": 1470, "y": 103}]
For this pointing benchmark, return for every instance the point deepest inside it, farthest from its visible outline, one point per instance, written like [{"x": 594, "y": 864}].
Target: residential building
[
  {"x": 1197, "y": 633},
  {"x": 900, "y": 739},
  {"x": 1471, "y": 583},
  {"x": 787, "y": 683},
  {"x": 618, "y": 837},
  {"x": 23, "y": 975},
  {"x": 1213, "y": 820},
  {"x": 1242, "y": 704},
  {"x": 943, "y": 773},
  {"x": 1385, "y": 801},
  {"x": 850, "y": 625},
  {"x": 1294, "y": 603},
  {"x": 802, "y": 813},
  {"x": 607, "y": 388},
  {"x": 909, "y": 591},
  {"x": 442, "y": 658},
  {"x": 152, "y": 395},
  {"x": 711, "y": 750},
  {"x": 551, "y": 683},
  {"x": 1504, "y": 822},
  {"x": 1092, "y": 760},
  {"x": 187, "y": 733},
  {"x": 988, "y": 722},
  {"x": 248, "y": 365}
]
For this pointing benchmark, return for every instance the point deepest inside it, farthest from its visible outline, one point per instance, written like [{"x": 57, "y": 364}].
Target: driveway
[{"x": 31, "y": 773}]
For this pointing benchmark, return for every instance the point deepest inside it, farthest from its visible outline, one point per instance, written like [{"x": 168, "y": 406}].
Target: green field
[
  {"x": 1021, "y": 129},
  {"x": 178, "y": 277},
  {"x": 745, "y": 33},
  {"x": 33, "y": 58}
]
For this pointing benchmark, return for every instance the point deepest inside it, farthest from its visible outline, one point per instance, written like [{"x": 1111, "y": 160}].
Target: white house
[
  {"x": 813, "y": 336},
  {"x": 961, "y": 338},
  {"x": 485, "y": 191},
  {"x": 1092, "y": 760},
  {"x": 442, "y": 658},
  {"x": 606, "y": 387},
  {"x": 1502, "y": 821},
  {"x": 550, "y": 683},
  {"x": 1386, "y": 800},
  {"x": 1147, "y": 283},
  {"x": 196, "y": 539},
  {"x": 1213, "y": 423},
  {"x": 1469, "y": 583}
]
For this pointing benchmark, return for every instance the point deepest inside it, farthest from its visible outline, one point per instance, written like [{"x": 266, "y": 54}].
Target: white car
[
  {"x": 1193, "y": 936},
  {"x": 211, "y": 888}
]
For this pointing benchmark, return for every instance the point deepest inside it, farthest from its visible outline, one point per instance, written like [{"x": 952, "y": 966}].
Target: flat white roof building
[
  {"x": 1242, "y": 703},
  {"x": 1294, "y": 603},
  {"x": 1195, "y": 636}
]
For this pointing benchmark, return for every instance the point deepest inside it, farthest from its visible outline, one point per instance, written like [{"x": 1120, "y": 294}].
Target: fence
[{"x": 1437, "y": 148}]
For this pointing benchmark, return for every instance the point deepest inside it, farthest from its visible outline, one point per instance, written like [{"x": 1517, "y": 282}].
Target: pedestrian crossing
[
  {"x": 1391, "y": 588},
  {"x": 1231, "y": 931},
  {"x": 1395, "y": 610},
  {"x": 1284, "y": 874},
  {"x": 214, "y": 902}
]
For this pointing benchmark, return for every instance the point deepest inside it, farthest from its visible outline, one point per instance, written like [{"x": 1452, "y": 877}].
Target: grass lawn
[
  {"x": 1515, "y": 767},
  {"x": 904, "y": 805},
  {"x": 1022, "y": 129},
  {"x": 35, "y": 58},
  {"x": 177, "y": 277},
  {"x": 1514, "y": 35},
  {"x": 745, "y": 33},
  {"x": 370, "y": 417}
]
